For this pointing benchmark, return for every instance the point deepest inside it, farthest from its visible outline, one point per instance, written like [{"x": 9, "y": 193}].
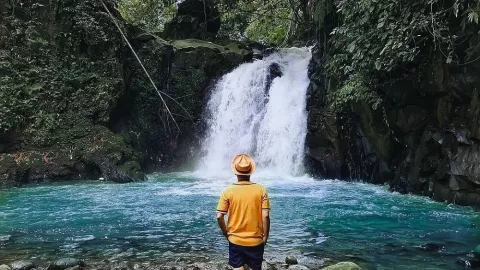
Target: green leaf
[{"x": 473, "y": 16}]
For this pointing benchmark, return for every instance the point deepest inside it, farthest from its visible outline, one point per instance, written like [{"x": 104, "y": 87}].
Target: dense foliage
[
  {"x": 38, "y": 80},
  {"x": 379, "y": 37},
  {"x": 149, "y": 14},
  {"x": 266, "y": 21},
  {"x": 354, "y": 89},
  {"x": 382, "y": 35},
  {"x": 262, "y": 21}
]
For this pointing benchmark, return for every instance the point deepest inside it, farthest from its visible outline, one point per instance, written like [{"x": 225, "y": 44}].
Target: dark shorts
[{"x": 238, "y": 256}]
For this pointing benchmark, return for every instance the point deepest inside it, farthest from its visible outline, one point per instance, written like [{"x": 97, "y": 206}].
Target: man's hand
[{"x": 265, "y": 239}]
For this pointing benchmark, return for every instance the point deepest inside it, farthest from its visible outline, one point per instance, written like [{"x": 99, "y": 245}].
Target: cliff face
[
  {"x": 75, "y": 104},
  {"x": 424, "y": 139}
]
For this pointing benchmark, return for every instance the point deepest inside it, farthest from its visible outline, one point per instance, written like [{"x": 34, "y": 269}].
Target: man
[{"x": 248, "y": 207}]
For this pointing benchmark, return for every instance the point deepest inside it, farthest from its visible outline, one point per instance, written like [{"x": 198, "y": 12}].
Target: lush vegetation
[
  {"x": 377, "y": 38},
  {"x": 382, "y": 35},
  {"x": 149, "y": 14},
  {"x": 368, "y": 37},
  {"x": 265, "y": 21},
  {"x": 38, "y": 81}
]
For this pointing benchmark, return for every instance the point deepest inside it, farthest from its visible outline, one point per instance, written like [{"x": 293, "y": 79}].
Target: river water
[{"x": 172, "y": 216}]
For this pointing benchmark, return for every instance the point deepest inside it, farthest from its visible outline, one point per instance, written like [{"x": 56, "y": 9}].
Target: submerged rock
[
  {"x": 291, "y": 260},
  {"x": 343, "y": 266},
  {"x": 476, "y": 252},
  {"x": 22, "y": 265},
  {"x": 467, "y": 263},
  {"x": 430, "y": 247},
  {"x": 65, "y": 263}
]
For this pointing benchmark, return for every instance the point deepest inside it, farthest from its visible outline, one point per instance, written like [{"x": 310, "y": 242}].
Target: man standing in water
[{"x": 248, "y": 208}]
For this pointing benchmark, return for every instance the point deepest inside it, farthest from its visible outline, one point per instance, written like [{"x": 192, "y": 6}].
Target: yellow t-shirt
[{"x": 244, "y": 202}]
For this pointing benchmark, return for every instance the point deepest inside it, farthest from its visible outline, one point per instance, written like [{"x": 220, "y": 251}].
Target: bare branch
[{"x": 140, "y": 62}]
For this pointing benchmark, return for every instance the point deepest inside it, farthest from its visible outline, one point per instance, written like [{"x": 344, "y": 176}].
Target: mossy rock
[
  {"x": 134, "y": 170},
  {"x": 196, "y": 43},
  {"x": 10, "y": 172},
  {"x": 476, "y": 252}
]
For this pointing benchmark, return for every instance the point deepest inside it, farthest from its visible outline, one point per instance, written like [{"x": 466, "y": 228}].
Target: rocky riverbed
[{"x": 179, "y": 264}]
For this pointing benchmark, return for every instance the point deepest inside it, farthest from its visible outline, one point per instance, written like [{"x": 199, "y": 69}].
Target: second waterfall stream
[{"x": 248, "y": 112}]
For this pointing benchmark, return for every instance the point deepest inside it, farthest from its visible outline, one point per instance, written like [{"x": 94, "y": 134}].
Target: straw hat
[{"x": 243, "y": 164}]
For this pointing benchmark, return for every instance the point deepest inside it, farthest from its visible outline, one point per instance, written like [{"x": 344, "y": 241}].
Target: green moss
[
  {"x": 133, "y": 169},
  {"x": 195, "y": 43}
]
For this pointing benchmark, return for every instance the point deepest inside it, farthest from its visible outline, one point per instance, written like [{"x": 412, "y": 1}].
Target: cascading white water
[{"x": 243, "y": 117}]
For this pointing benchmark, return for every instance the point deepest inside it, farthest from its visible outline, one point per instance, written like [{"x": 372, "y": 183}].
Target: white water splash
[{"x": 242, "y": 117}]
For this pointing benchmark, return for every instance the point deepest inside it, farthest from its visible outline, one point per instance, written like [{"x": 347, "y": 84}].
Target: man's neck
[{"x": 243, "y": 178}]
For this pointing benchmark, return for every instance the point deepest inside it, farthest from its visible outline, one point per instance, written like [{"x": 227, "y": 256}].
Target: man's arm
[
  {"x": 266, "y": 224},
  {"x": 265, "y": 215},
  {"x": 221, "y": 223},
  {"x": 222, "y": 210}
]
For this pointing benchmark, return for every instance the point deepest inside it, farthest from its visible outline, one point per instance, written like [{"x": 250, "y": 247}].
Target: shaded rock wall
[
  {"x": 423, "y": 140},
  {"x": 194, "y": 19},
  {"x": 75, "y": 104}
]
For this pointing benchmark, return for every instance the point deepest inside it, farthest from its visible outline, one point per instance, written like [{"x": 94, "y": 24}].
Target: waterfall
[{"x": 248, "y": 112}]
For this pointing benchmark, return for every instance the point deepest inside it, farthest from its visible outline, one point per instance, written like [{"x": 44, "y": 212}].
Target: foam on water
[{"x": 243, "y": 116}]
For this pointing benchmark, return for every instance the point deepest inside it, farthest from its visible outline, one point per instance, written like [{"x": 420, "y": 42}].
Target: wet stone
[
  {"x": 268, "y": 266},
  {"x": 65, "y": 263},
  {"x": 343, "y": 266},
  {"x": 22, "y": 265},
  {"x": 76, "y": 267},
  {"x": 291, "y": 260},
  {"x": 4, "y": 267},
  {"x": 298, "y": 267}
]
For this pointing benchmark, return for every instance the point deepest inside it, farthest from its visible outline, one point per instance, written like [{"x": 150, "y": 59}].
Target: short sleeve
[
  {"x": 265, "y": 200},
  {"x": 223, "y": 203}
]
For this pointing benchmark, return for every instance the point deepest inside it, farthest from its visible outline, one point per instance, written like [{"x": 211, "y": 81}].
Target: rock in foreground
[
  {"x": 343, "y": 266},
  {"x": 291, "y": 260},
  {"x": 22, "y": 265},
  {"x": 4, "y": 267},
  {"x": 65, "y": 263}
]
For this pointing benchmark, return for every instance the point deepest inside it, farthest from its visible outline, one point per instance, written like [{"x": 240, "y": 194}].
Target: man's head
[{"x": 243, "y": 166}]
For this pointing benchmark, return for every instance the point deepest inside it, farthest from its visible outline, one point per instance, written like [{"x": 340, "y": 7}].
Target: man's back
[
  {"x": 248, "y": 208},
  {"x": 244, "y": 202}
]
